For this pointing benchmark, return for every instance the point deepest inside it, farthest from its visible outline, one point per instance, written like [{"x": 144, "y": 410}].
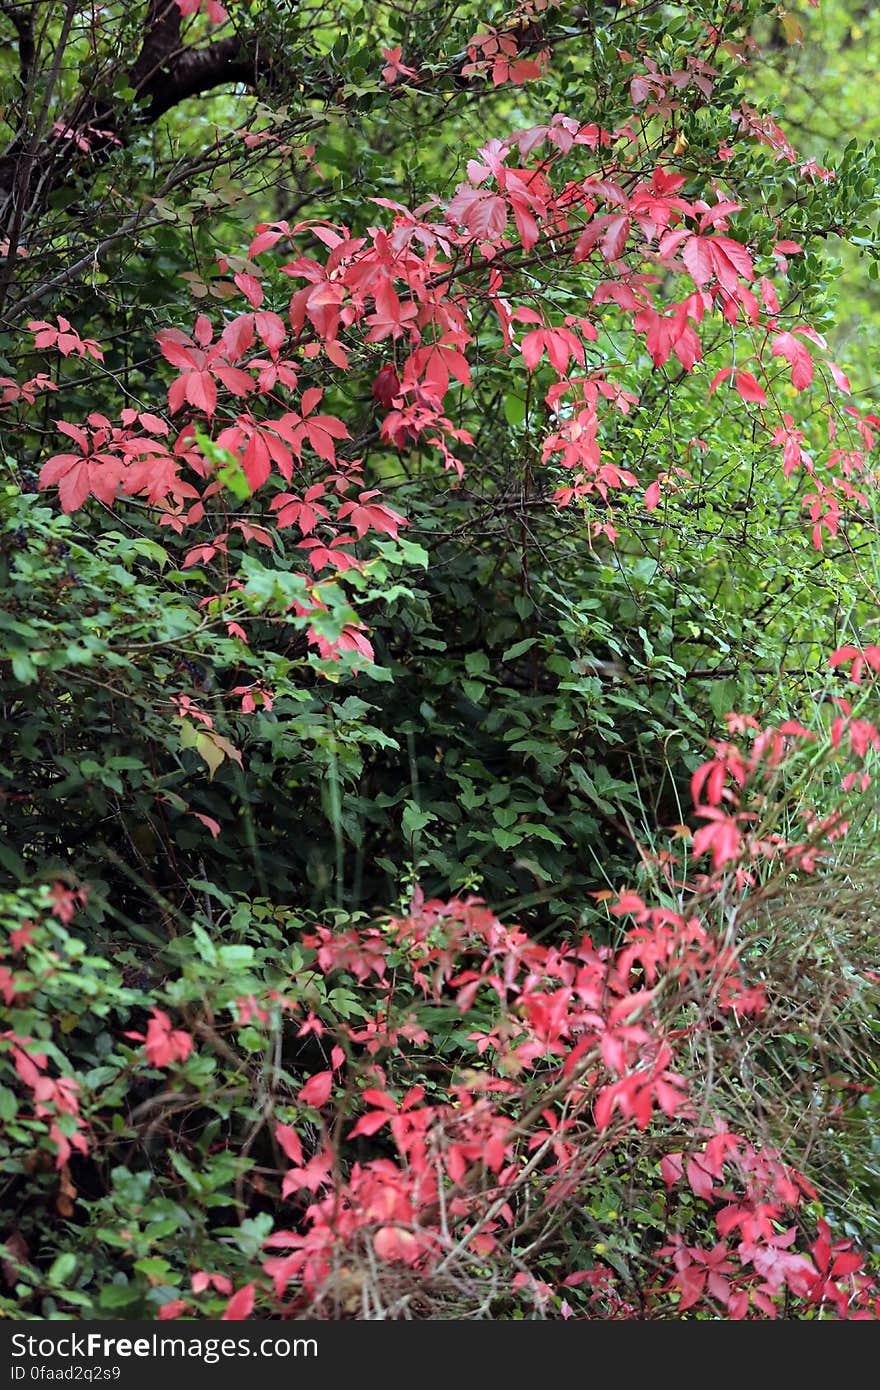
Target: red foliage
[{"x": 582, "y": 1045}]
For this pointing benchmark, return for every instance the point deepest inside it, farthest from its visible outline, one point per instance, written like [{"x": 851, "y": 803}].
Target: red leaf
[
  {"x": 267, "y": 236},
  {"x": 615, "y": 238},
  {"x": 73, "y": 488},
  {"x": 165, "y": 1045},
  {"x": 652, "y": 496},
  {"x": 201, "y": 391},
  {"x": 212, "y": 825},
  {"x": 691, "y": 1281},
  {"x": 386, "y": 386},
  {"x": 699, "y": 1180},
  {"x": 639, "y": 90},
  {"x": 175, "y": 1309},
  {"x": 671, "y": 1166},
  {"x": 732, "y": 261},
  {"x": 271, "y": 330},
  {"x": 290, "y": 1142},
  {"x": 203, "y": 330},
  {"x": 719, "y": 377},
  {"x": 202, "y": 1280},
  {"x": 233, "y": 378},
  {"x": 310, "y": 399},
  {"x": 842, "y": 655},
  {"x": 391, "y": 1243},
  {"x": 525, "y": 224},
  {"x": 238, "y": 336},
  {"x": 483, "y": 213},
  {"x": 240, "y": 1305},
  {"x": 250, "y": 288},
  {"x": 532, "y": 347},
  {"x": 373, "y": 517},
  {"x": 317, "y": 1090},
  {"x": 792, "y": 349},
  {"x": 846, "y": 1263},
  {"x": 722, "y": 837},
  {"x": 199, "y": 555},
  {"x": 175, "y": 348},
  {"x": 697, "y": 257},
  {"x": 370, "y": 1123},
  {"x": 749, "y": 388},
  {"x": 603, "y": 1107}
]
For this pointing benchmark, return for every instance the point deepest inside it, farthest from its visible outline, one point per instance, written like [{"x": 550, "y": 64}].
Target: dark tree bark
[{"x": 166, "y": 72}]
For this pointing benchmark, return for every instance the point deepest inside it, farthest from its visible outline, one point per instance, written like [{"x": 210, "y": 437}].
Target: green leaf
[
  {"x": 416, "y": 554},
  {"x": 236, "y": 957},
  {"x": 13, "y": 863},
  {"x": 62, "y": 1267},
  {"x": 723, "y": 697},
  {"x": 23, "y": 667},
  {"x": 114, "y": 1296},
  {"x": 154, "y": 1267},
  {"x": 152, "y": 550},
  {"x": 8, "y": 1104},
  {"x": 414, "y": 819},
  {"x": 476, "y": 663},
  {"x": 186, "y": 1171},
  {"x": 514, "y": 409},
  {"x": 518, "y": 648}
]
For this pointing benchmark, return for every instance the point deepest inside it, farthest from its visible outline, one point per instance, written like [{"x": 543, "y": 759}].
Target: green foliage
[{"x": 207, "y": 753}]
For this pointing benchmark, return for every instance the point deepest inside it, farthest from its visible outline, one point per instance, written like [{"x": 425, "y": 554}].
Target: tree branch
[
  {"x": 197, "y": 70},
  {"x": 22, "y": 19},
  {"x": 164, "y": 74}
]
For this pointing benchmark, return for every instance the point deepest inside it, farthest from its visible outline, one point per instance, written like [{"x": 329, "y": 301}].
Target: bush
[
  {"x": 434, "y": 1114},
  {"x": 437, "y": 690}
]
